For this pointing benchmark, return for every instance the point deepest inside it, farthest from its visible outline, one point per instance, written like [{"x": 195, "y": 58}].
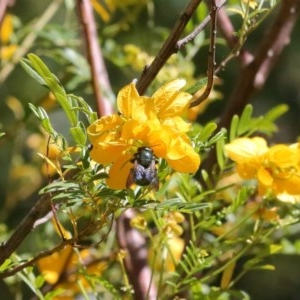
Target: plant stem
[
  {"x": 211, "y": 56},
  {"x": 168, "y": 48},
  {"x": 99, "y": 76},
  {"x": 253, "y": 76}
]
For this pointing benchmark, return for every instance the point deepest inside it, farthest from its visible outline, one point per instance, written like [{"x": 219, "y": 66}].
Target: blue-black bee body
[{"x": 143, "y": 171}]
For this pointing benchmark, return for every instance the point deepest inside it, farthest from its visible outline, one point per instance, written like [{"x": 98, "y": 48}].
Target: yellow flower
[
  {"x": 7, "y": 49},
  {"x": 277, "y": 169},
  {"x": 105, "y": 136},
  {"x": 153, "y": 122},
  {"x": 281, "y": 172},
  {"x": 248, "y": 154},
  {"x": 62, "y": 269},
  {"x": 252, "y": 3},
  {"x": 139, "y": 222},
  {"x": 164, "y": 256},
  {"x": 7, "y": 29}
]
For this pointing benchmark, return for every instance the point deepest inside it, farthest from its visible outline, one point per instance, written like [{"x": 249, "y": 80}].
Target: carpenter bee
[{"x": 143, "y": 171}]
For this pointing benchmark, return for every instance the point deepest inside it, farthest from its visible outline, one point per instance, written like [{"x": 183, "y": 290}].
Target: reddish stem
[
  {"x": 134, "y": 244},
  {"x": 100, "y": 80}
]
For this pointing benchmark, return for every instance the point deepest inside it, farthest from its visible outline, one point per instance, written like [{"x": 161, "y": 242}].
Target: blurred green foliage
[{"x": 129, "y": 37}]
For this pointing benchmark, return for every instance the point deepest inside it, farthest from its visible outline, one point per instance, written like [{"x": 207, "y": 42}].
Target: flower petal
[
  {"x": 134, "y": 106},
  {"x": 140, "y": 131},
  {"x": 103, "y": 129},
  {"x": 248, "y": 169},
  {"x": 106, "y": 153},
  {"x": 119, "y": 172},
  {"x": 290, "y": 186},
  {"x": 159, "y": 142},
  {"x": 105, "y": 136},
  {"x": 127, "y": 95},
  {"x": 264, "y": 177},
  {"x": 143, "y": 109},
  {"x": 284, "y": 156},
  {"x": 177, "y": 124},
  {"x": 243, "y": 148},
  {"x": 182, "y": 157},
  {"x": 169, "y": 100}
]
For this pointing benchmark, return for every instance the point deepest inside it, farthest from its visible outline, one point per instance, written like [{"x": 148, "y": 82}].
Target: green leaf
[
  {"x": 78, "y": 134},
  {"x": 39, "y": 66},
  {"x": 275, "y": 248},
  {"x": 266, "y": 124},
  {"x": 70, "y": 104},
  {"x": 99, "y": 176},
  {"x": 197, "y": 86},
  {"x": 5, "y": 265},
  {"x": 206, "y": 179},
  {"x": 207, "y": 131},
  {"x": 60, "y": 186},
  {"x": 39, "y": 281},
  {"x": 266, "y": 267},
  {"x": 82, "y": 106},
  {"x": 53, "y": 84},
  {"x": 246, "y": 125},
  {"x": 27, "y": 66},
  {"x": 241, "y": 198},
  {"x": 218, "y": 136},
  {"x": 276, "y": 112},
  {"x": 43, "y": 117},
  {"x": 233, "y": 127},
  {"x": 107, "y": 285},
  {"x": 245, "y": 120},
  {"x": 177, "y": 205},
  {"x": 220, "y": 153},
  {"x": 53, "y": 294}
]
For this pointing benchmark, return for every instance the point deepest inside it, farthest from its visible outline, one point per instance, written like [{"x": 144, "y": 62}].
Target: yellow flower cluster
[
  {"x": 252, "y": 3},
  {"x": 7, "y": 48},
  {"x": 153, "y": 122},
  {"x": 276, "y": 168}
]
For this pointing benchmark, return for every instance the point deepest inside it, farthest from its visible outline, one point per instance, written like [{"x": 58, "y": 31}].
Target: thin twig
[
  {"x": 253, "y": 76},
  {"x": 72, "y": 241},
  {"x": 29, "y": 39},
  {"x": 39, "y": 214},
  {"x": 211, "y": 56},
  {"x": 99, "y": 76},
  {"x": 168, "y": 48},
  {"x": 39, "y": 210},
  {"x": 191, "y": 36},
  {"x": 32, "y": 261},
  {"x": 227, "y": 31}
]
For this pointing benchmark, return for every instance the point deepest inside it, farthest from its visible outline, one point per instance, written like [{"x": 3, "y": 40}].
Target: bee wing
[{"x": 155, "y": 182}]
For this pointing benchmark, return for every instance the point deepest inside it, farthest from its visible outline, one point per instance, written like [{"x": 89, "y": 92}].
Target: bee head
[{"x": 144, "y": 156}]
